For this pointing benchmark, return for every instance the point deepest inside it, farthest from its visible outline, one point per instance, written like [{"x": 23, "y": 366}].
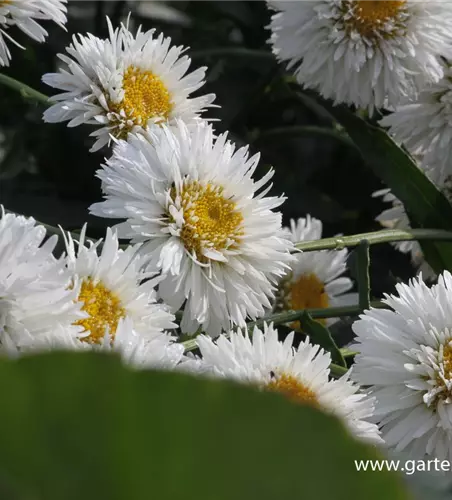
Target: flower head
[
  {"x": 301, "y": 374},
  {"x": 124, "y": 84},
  {"x": 192, "y": 200},
  {"x": 405, "y": 359},
  {"x": 315, "y": 280},
  {"x": 24, "y": 14},
  {"x": 425, "y": 126},
  {"x": 34, "y": 285},
  {"x": 366, "y": 53},
  {"x": 139, "y": 351},
  {"x": 112, "y": 289}
]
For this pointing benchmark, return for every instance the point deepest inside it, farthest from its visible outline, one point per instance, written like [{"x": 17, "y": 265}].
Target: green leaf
[
  {"x": 81, "y": 425},
  {"x": 321, "y": 335},
  {"x": 426, "y": 206}
]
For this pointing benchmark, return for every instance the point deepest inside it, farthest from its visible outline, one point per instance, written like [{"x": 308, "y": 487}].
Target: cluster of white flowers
[
  {"x": 206, "y": 240},
  {"x": 366, "y": 53}
]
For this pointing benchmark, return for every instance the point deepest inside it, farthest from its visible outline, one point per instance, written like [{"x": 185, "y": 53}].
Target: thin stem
[
  {"x": 363, "y": 262},
  {"x": 347, "y": 353},
  {"x": 191, "y": 345},
  {"x": 304, "y": 131},
  {"x": 384, "y": 236},
  {"x": 24, "y": 90},
  {"x": 232, "y": 52},
  {"x": 329, "y": 312},
  {"x": 289, "y": 316},
  {"x": 337, "y": 371}
]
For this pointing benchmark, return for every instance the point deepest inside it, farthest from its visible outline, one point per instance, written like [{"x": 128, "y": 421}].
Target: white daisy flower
[
  {"x": 113, "y": 288},
  {"x": 192, "y": 200},
  {"x": 315, "y": 280},
  {"x": 34, "y": 286},
  {"x": 24, "y": 14},
  {"x": 406, "y": 360},
  {"x": 159, "y": 351},
  {"x": 301, "y": 374},
  {"x": 124, "y": 84},
  {"x": 366, "y": 53},
  {"x": 425, "y": 126}
]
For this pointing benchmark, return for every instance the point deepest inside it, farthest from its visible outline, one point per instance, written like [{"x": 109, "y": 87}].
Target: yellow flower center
[
  {"x": 369, "y": 16},
  {"x": 308, "y": 292},
  {"x": 445, "y": 360},
  {"x": 211, "y": 221},
  {"x": 293, "y": 389},
  {"x": 104, "y": 310},
  {"x": 145, "y": 97}
]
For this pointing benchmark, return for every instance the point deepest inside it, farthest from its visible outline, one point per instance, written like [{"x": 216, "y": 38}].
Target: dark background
[{"x": 47, "y": 171}]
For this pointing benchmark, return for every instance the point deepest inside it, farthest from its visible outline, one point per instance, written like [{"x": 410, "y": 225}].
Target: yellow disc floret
[
  {"x": 308, "y": 292},
  {"x": 104, "y": 309},
  {"x": 145, "y": 97},
  {"x": 292, "y": 388},
  {"x": 370, "y": 17},
  {"x": 211, "y": 220},
  {"x": 444, "y": 376}
]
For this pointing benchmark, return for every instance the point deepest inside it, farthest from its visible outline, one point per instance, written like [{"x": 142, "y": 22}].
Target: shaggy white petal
[
  {"x": 370, "y": 54},
  {"x": 158, "y": 352},
  {"x": 424, "y": 126},
  {"x": 405, "y": 358},
  {"x": 191, "y": 200},
  {"x": 24, "y": 14},
  {"x": 34, "y": 286},
  {"x": 124, "y": 84}
]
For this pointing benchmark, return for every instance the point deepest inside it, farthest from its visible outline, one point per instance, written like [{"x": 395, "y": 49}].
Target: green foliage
[
  {"x": 426, "y": 206},
  {"x": 320, "y": 335},
  {"x": 81, "y": 425}
]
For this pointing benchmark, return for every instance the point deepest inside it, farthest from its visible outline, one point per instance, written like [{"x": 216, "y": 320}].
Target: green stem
[
  {"x": 289, "y": 316},
  {"x": 363, "y": 279},
  {"x": 347, "y": 353},
  {"x": 337, "y": 371},
  {"x": 24, "y": 90},
  {"x": 298, "y": 131},
  {"x": 191, "y": 345},
  {"x": 232, "y": 52},
  {"x": 376, "y": 237},
  {"x": 329, "y": 312}
]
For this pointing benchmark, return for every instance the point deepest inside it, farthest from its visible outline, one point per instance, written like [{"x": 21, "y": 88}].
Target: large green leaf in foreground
[
  {"x": 82, "y": 426},
  {"x": 426, "y": 206}
]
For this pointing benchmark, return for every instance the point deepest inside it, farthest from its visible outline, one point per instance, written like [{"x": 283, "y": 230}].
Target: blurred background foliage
[{"x": 47, "y": 171}]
